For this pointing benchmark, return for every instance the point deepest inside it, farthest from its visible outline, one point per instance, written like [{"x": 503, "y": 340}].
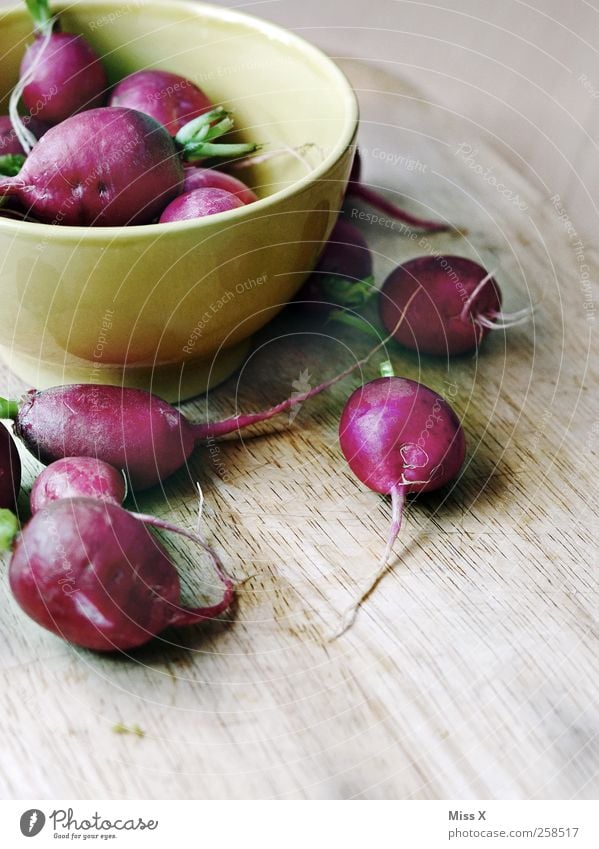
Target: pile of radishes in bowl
[
  {"x": 85, "y": 155},
  {"x": 83, "y": 566}
]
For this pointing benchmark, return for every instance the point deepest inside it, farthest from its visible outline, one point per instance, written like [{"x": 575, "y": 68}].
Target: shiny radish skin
[
  {"x": 75, "y": 477},
  {"x": 198, "y": 204},
  {"x": 170, "y": 99},
  {"x": 10, "y": 470},
  {"x": 93, "y": 574},
  {"x": 431, "y": 292},
  {"x": 396, "y": 433},
  {"x": 130, "y": 429},
  {"x": 343, "y": 273},
  {"x": 209, "y": 178},
  {"x": 104, "y": 167},
  {"x": 69, "y": 77}
]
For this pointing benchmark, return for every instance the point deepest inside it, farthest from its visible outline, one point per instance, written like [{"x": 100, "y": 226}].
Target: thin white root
[
  {"x": 474, "y": 293},
  {"x": 26, "y": 138},
  {"x": 493, "y": 325},
  {"x": 200, "y": 507},
  {"x": 398, "y": 498},
  {"x": 511, "y": 316}
]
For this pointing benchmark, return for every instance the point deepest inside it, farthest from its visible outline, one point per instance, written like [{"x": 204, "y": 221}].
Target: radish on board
[
  {"x": 131, "y": 429},
  {"x": 110, "y": 167},
  {"x": 448, "y": 305},
  {"x": 9, "y": 141},
  {"x": 61, "y": 73},
  {"x": 343, "y": 275},
  {"x": 196, "y": 177},
  {"x": 170, "y": 99},
  {"x": 198, "y": 204},
  {"x": 357, "y": 188},
  {"x": 92, "y": 573},
  {"x": 10, "y": 470},
  {"x": 399, "y": 438}
]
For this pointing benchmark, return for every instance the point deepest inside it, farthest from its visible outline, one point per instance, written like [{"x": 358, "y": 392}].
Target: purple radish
[
  {"x": 109, "y": 167},
  {"x": 448, "y": 303},
  {"x": 10, "y": 470},
  {"x": 399, "y": 438},
  {"x": 77, "y": 477},
  {"x": 130, "y": 429},
  {"x": 62, "y": 73},
  {"x": 343, "y": 275},
  {"x": 372, "y": 197},
  {"x": 170, "y": 99},
  {"x": 9, "y": 142},
  {"x": 92, "y": 573},
  {"x": 208, "y": 178},
  {"x": 104, "y": 167},
  {"x": 198, "y": 204}
]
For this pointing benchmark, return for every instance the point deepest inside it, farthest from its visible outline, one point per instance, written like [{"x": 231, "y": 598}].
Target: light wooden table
[{"x": 472, "y": 670}]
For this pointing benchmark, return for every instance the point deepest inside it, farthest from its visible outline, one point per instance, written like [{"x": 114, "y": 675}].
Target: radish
[
  {"x": 170, "y": 99},
  {"x": 110, "y": 167},
  {"x": 61, "y": 72},
  {"x": 372, "y": 197},
  {"x": 150, "y": 439},
  {"x": 10, "y": 470},
  {"x": 343, "y": 275},
  {"x": 198, "y": 204},
  {"x": 208, "y": 178},
  {"x": 399, "y": 438},
  {"x": 449, "y": 304},
  {"x": 130, "y": 429},
  {"x": 74, "y": 477},
  {"x": 92, "y": 573}
]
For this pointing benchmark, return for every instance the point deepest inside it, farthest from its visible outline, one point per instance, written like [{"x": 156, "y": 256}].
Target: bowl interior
[{"x": 284, "y": 93}]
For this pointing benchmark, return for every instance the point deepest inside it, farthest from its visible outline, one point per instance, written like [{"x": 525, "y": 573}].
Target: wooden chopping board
[{"x": 472, "y": 670}]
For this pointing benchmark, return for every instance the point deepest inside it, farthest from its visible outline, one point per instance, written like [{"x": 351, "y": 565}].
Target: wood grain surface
[{"x": 472, "y": 670}]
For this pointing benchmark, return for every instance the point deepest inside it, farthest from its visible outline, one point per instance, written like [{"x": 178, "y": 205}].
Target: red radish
[
  {"x": 10, "y": 470},
  {"x": 198, "y": 204},
  {"x": 448, "y": 303},
  {"x": 9, "y": 142},
  {"x": 170, "y": 99},
  {"x": 131, "y": 429},
  {"x": 92, "y": 573},
  {"x": 62, "y": 73},
  {"x": 372, "y": 197},
  {"x": 110, "y": 167},
  {"x": 208, "y": 178},
  {"x": 343, "y": 275},
  {"x": 74, "y": 477},
  {"x": 399, "y": 437},
  {"x": 104, "y": 167}
]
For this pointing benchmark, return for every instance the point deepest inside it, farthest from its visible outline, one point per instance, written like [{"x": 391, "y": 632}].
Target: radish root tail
[
  {"x": 398, "y": 498},
  {"x": 189, "y": 616}
]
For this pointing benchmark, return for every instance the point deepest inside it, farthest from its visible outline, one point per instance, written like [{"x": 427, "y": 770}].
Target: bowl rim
[{"x": 270, "y": 30}]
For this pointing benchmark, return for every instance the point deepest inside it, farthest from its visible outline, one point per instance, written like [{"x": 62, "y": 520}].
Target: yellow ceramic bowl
[{"x": 171, "y": 307}]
